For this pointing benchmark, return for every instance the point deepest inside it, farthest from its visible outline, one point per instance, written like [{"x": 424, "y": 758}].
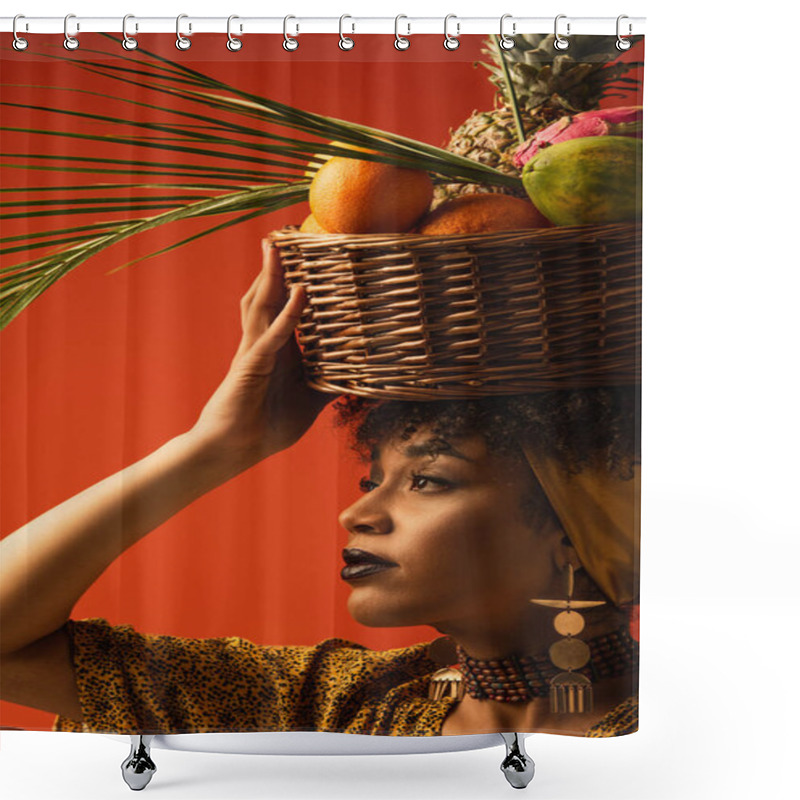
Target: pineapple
[{"x": 545, "y": 84}]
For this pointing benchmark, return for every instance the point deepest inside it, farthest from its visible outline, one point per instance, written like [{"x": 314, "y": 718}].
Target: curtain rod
[{"x": 407, "y": 26}]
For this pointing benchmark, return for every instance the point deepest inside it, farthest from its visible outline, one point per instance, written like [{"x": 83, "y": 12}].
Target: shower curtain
[{"x": 162, "y": 577}]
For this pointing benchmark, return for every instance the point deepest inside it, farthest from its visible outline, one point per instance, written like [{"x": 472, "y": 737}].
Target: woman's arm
[
  {"x": 261, "y": 407},
  {"x": 50, "y": 562}
]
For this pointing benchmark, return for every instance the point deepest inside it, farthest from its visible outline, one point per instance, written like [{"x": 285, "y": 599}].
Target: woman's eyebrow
[
  {"x": 432, "y": 447},
  {"x": 417, "y": 450}
]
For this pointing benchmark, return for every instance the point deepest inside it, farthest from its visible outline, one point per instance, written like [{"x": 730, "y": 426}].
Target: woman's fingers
[
  {"x": 279, "y": 332},
  {"x": 264, "y": 300},
  {"x": 270, "y": 293},
  {"x": 267, "y": 291},
  {"x": 248, "y": 296}
]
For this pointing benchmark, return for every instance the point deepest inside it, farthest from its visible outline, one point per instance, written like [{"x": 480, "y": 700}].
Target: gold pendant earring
[
  {"x": 570, "y": 692},
  {"x": 448, "y": 681}
]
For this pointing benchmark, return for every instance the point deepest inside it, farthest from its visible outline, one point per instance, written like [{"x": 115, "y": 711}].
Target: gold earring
[
  {"x": 570, "y": 692},
  {"x": 448, "y": 681}
]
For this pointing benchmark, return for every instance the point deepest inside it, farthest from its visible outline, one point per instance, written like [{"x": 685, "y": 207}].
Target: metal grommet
[
  {"x": 233, "y": 43},
  {"x": 19, "y": 42},
  {"x": 400, "y": 42},
  {"x": 506, "y": 42},
  {"x": 451, "y": 42},
  {"x": 128, "y": 42},
  {"x": 560, "y": 42},
  {"x": 623, "y": 44},
  {"x": 345, "y": 42},
  {"x": 289, "y": 43},
  {"x": 70, "y": 42},
  {"x": 182, "y": 43}
]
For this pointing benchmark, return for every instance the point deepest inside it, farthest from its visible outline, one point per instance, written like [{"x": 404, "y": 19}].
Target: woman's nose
[{"x": 366, "y": 515}]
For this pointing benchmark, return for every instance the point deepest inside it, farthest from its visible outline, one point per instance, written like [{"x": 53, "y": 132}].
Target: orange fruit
[
  {"x": 313, "y": 166},
  {"x": 349, "y": 195},
  {"x": 310, "y": 225},
  {"x": 482, "y": 213}
]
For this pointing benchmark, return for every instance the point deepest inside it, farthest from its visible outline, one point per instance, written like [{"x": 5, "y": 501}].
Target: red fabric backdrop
[{"x": 104, "y": 368}]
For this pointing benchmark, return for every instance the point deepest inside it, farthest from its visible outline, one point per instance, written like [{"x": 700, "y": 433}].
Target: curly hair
[{"x": 572, "y": 425}]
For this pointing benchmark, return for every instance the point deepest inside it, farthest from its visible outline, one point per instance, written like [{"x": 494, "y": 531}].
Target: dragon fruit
[{"x": 622, "y": 121}]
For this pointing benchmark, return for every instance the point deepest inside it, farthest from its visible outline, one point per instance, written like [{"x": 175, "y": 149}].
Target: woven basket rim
[{"x": 556, "y": 232}]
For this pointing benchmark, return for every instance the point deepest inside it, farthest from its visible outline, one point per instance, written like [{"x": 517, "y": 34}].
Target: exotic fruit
[
  {"x": 310, "y": 225},
  {"x": 320, "y": 158},
  {"x": 542, "y": 84},
  {"x": 481, "y": 213},
  {"x": 349, "y": 195},
  {"x": 587, "y": 181},
  {"x": 623, "y": 121}
]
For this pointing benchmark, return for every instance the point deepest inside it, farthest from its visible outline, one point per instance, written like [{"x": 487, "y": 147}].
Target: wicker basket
[{"x": 415, "y": 317}]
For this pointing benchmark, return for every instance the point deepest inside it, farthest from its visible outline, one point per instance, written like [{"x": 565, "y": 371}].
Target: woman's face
[{"x": 450, "y": 524}]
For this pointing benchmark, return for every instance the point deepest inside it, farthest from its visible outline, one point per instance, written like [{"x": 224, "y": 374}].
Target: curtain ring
[
  {"x": 182, "y": 43},
  {"x": 560, "y": 42},
  {"x": 233, "y": 43},
  {"x": 289, "y": 43},
  {"x": 128, "y": 42},
  {"x": 623, "y": 44},
  {"x": 506, "y": 42},
  {"x": 345, "y": 42},
  {"x": 19, "y": 42},
  {"x": 451, "y": 42},
  {"x": 70, "y": 42},
  {"x": 400, "y": 42}
]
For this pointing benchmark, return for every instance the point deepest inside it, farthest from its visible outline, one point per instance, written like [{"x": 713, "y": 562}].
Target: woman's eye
[
  {"x": 425, "y": 481},
  {"x": 418, "y": 482},
  {"x": 366, "y": 485}
]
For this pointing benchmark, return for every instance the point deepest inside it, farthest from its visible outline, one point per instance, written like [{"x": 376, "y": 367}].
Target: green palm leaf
[
  {"x": 132, "y": 168},
  {"x": 243, "y": 218},
  {"x": 19, "y": 288},
  {"x": 219, "y": 151}
]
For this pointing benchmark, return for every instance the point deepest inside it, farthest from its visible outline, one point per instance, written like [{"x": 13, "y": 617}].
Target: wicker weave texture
[{"x": 413, "y": 317}]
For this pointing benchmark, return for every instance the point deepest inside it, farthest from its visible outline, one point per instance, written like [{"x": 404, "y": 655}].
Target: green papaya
[{"x": 587, "y": 181}]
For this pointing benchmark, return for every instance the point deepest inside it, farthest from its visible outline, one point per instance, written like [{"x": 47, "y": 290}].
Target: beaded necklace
[{"x": 520, "y": 678}]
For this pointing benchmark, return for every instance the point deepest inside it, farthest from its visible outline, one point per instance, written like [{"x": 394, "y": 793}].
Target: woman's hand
[{"x": 263, "y": 405}]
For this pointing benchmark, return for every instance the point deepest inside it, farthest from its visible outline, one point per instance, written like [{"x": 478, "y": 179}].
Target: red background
[{"x": 104, "y": 368}]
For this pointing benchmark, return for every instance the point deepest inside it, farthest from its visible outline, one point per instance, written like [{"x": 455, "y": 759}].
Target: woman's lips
[
  {"x": 361, "y": 563},
  {"x": 352, "y": 572}
]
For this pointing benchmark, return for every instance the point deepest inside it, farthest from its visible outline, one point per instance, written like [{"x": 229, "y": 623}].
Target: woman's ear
[{"x": 564, "y": 553}]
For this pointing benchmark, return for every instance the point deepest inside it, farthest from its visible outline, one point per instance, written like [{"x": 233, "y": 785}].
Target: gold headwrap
[{"x": 600, "y": 514}]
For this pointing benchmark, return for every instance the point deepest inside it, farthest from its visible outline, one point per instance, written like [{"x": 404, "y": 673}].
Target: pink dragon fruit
[{"x": 622, "y": 121}]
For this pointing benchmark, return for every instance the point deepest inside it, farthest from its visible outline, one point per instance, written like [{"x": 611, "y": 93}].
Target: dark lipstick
[{"x": 361, "y": 563}]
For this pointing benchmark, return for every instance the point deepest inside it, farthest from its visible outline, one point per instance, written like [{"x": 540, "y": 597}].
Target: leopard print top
[{"x": 129, "y": 682}]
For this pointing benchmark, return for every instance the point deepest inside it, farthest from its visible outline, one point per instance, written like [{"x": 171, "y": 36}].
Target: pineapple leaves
[{"x": 509, "y": 89}]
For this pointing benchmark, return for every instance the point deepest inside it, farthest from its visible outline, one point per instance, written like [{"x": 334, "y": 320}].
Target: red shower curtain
[{"x": 106, "y": 366}]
